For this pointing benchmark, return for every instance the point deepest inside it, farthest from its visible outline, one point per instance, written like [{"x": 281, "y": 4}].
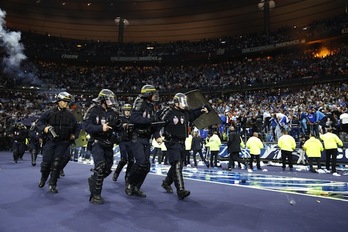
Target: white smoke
[{"x": 14, "y": 54}]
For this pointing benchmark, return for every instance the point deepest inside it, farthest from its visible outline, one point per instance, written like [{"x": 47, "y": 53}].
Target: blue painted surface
[{"x": 311, "y": 187}]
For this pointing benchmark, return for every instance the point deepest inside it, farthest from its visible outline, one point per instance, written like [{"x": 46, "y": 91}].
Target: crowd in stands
[{"x": 235, "y": 87}]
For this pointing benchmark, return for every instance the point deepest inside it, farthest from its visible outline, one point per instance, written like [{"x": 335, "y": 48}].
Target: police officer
[
  {"x": 177, "y": 119},
  {"x": 35, "y": 142},
  {"x": 60, "y": 127},
  {"x": 125, "y": 143},
  {"x": 20, "y": 134},
  {"x": 143, "y": 118},
  {"x": 101, "y": 122},
  {"x": 77, "y": 112}
]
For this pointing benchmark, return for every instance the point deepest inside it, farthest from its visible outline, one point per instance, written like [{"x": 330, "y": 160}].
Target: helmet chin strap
[{"x": 177, "y": 105}]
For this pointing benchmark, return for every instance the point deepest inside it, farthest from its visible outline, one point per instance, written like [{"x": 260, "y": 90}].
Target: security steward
[
  {"x": 177, "y": 119},
  {"x": 102, "y": 123},
  {"x": 60, "y": 128},
  {"x": 125, "y": 143},
  {"x": 144, "y": 120}
]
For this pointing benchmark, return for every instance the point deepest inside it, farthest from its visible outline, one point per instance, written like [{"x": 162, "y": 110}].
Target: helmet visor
[
  {"x": 110, "y": 101},
  {"x": 182, "y": 102},
  {"x": 155, "y": 96}
]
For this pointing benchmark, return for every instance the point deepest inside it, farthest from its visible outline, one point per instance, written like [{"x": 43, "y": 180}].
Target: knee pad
[
  {"x": 45, "y": 169},
  {"x": 138, "y": 171},
  {"x": 100, "y": 168},
  {"x": 56, "y": 163}
]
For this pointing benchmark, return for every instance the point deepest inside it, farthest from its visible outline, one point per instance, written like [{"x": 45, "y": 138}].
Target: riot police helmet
[
  {"x": 63, "y": 96},
  {"x": 107, "y": 97},
  {"x": 180, "y": 100},
  {"x": 126, "y": 107},
  {"x": 149, "y": 92},
  {"x": 20, "y": 125}
]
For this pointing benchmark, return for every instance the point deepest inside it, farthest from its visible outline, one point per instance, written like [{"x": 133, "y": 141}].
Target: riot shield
[{"x": 195, "y": 99}]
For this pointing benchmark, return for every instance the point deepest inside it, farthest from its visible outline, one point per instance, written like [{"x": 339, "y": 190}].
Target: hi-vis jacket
[
  {"x": 313, "y": 147},
  {"x": 254, "y": 144},
  {"x": 286, "y": 143},
  {"x": 214, "y": 143},
  {"x": 331, "y": 140}
]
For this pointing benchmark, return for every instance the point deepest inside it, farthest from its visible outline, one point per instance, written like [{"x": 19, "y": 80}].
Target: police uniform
[
  {"x": 20, "y": 134},
  {"x": 102, "y": 145},
  {"x": 175, "y": 132},
  {"x": 63, "y": 129},
  {"x": 34, "y": 143},
  {"x": 125, "y": 148},
  {"x": 142, "y": 117}
]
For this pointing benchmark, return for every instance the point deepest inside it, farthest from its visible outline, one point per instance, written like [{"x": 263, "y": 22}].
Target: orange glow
[{"x": 323, "y": 52}]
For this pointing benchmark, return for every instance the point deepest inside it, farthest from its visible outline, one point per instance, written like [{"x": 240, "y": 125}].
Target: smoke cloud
[{"x": 14, "y": 55}]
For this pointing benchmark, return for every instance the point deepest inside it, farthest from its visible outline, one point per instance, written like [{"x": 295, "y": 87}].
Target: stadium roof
[{"x": 160, "y": 20}]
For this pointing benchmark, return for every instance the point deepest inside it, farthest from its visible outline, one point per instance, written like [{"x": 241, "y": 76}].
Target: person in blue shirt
[
  {"x": 273, "y": 124},
  {"x": 312, "y": 121},
  {"x": 321, "y": 120},
  {"x": 303, "y": 121}
]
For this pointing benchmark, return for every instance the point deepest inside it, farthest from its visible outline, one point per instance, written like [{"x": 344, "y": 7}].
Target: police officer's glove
[{"x": 205, "y": 109}]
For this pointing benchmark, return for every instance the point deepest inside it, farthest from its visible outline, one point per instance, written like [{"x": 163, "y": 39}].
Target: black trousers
[
  {"x": 286, "y": 155},
  {"x": 331, "y": 158},
  {"x": 311, "y": 160},
  {"x": 234, "y": 156},
  {"x": 213, "y": 158},
  {"x": 257, "y": 157},
  {"x": 194, "y": 153}
]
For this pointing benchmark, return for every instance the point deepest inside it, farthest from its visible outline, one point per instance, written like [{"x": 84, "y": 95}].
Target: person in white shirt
[{"x": 344, "y": 122}]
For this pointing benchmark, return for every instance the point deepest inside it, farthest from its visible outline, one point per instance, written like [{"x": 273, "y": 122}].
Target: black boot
[
  {"x": 167, "y": 182},
  {"x": 61, "y": 173},
  {"x": 42, "y": 183},
  {"x": 129, "y": 167},
  {"x": 96, "y": 184},
  {"x": 179, "y": 182},
  {"x": 137, "y": 192},
  {"x": 183, "y": 193},
  {"x": 167, "y": 187},
  {"x": 136, "y": 178},
  {"x": 129, "y": 189},
  {"x": 115, "y": 176},
  {"x": 63, "y": 164},
  {"x": 55, "y": 170},
  {"x": 119, "y": 168},
  {"x": 33, "y": 157},
  {"x": 95, "y": 197},
  {"x": 53, "y": 189},
  {"x": 45, "y": 172},
  {"x": 15, "y": 156}
]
